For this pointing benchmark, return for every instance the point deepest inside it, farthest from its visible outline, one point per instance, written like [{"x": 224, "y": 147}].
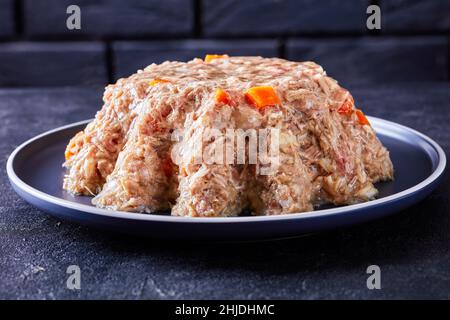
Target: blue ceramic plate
[{"x": 35, "y": 172}]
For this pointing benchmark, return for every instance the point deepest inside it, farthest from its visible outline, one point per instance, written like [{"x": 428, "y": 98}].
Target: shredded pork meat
[{"x": 128, "y": 157}]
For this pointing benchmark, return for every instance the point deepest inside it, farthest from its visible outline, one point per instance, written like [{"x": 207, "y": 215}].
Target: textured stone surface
[
  {"x": 52, "y": 64},
  {"x": 110, "y": 18},
  {"x": 131, "y": 56},
  {"x": 412, "y": 247},
  {"x": 264, "y": 17},
  {"x": 375, "y": 60},
  {"x": 6, "y": 18},
  {"x": 415, "y": 15}
]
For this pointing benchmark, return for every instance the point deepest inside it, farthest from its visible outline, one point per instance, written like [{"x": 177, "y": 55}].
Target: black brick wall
[
  {"x": 275, "y": 17},
  {"x": 416, "y": 15},
  {"x": 49, "y": 64},
  {"x": 130, "y": 56},
  {"x": 118, "y": 37},
  {"x": 110, "y": 18},
  {"x": 6, "y": 18},
  {"x": 376, "y": 59}
]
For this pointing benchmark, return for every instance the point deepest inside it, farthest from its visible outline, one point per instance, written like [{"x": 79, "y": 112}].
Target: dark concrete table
[{"x": 412, "y": 248}]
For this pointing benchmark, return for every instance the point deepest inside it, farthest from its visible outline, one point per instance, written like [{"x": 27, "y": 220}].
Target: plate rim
[{"x": 17, "y": 182}]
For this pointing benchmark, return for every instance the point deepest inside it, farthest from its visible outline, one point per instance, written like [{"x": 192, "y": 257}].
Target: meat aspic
[{"x": 156, "y": 143}]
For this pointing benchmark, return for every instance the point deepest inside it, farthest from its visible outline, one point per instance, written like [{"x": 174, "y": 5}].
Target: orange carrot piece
[
  {"x": 362, "y": 118},
  {"x": 68, "y": 154},
  {"x": 222, "y": 96},
  {"x": 69, "y": 151},
  {"x": 210, "y": 57},
  {"x": 347, "y": 106},
  {"x": 262, "y": 97},
  {"x": 154, "y": 82}
]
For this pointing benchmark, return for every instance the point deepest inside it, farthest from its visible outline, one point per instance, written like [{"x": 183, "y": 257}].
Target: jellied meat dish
[{"x": 216, "y": 136}]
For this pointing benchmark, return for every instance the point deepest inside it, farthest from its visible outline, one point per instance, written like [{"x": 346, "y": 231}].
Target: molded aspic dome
[{"x": 216, "y": 136}]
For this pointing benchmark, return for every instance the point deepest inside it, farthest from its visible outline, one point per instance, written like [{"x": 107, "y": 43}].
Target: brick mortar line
[
  {"x": 197, "y": 17},
  {"x": 18, "y": 16},
  {"x": 322, "y": 35},
  {"x": 280, "y": 38},
  {"x": 376, "y": 33}
]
